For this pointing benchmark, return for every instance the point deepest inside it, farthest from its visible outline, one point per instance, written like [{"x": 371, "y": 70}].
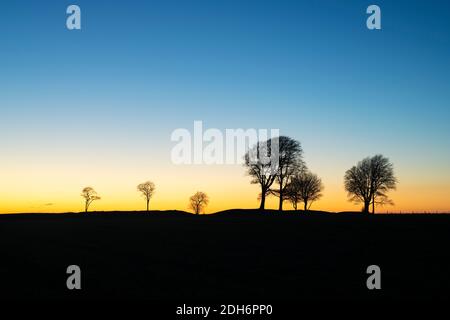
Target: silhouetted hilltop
[
  {"x": 175, "y": 255},
  {"x": 230, "y": 213}
]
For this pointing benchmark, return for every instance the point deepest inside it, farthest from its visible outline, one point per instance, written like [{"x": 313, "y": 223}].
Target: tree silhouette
[
  {"x": 304, "y": 187},
  {"x": 262, "y": 171},
  {"x": 292, "y": 194},
  {"x": 89, "y": 195},
  {"x": 147, "y": 189},
  {"x": 383, "y": 180},
  {"x": 369, "y": 181},
  {"x": 290, "y": 161},
  {"x": 198, "y": 202},
  {"x": 381, "y": 199}
]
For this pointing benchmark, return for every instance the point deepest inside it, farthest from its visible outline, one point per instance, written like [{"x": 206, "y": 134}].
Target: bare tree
[
  {"x": 383, "y": 180},
  {"x": 381, "y": 200},
  {"x": 304, "y": 187},
  {"x": 89, "y": 195},
  {"x": 198, "y": 202},
  {"x": 290, "y": 161},
  {"x": 292, "y": 194},
  {"x": 357, "y": 182},
  {"x": 369, "y": 181},
  {"x": 147, "y": 189},
  {"x": 262, "y": 171}
]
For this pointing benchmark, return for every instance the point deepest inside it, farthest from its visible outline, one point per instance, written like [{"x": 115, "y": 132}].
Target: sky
[{"x": 97, "y": 106}]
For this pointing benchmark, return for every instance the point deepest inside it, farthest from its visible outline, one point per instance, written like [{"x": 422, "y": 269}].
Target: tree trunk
[
  {"x": 366, "y": 206},
  {"x": 280, "y": 206},
  {"x": 263, "y": 200},
  {"x": 373, "y": 204},
  {"x": 148, "y": 200},
  {"x": 306, "y": 205}
]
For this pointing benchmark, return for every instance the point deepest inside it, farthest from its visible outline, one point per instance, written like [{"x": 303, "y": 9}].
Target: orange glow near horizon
[{"x": 57, "y": 189}]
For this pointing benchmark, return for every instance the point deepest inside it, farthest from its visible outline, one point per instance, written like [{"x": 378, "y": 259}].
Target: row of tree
[
  {"x": 287, "y": 177},
  {"x": 197, "y": 202}
]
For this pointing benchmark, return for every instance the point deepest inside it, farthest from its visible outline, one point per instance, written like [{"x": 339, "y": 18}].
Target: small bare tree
[
  {"x": 261, "y": 171},
  {"x": 89, "y": 195},
  {"x": 147, "y": 189},
  {"x": 198, "y": 202},
  {"x": 290, "y": 161},
  {"x": 369, "y": 181},
  {"x": 304, "y": 187},
  {"x": 292, "y": 194}
]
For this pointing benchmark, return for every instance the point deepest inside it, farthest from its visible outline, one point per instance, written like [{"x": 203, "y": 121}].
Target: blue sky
[{"x": 140, "y": 69}]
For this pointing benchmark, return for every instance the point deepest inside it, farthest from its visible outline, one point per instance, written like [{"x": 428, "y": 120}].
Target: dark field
[{"x": 225, "y": 257}]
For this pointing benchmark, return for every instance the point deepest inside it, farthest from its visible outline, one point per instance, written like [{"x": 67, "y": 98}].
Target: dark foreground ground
[{"x": 229, "y": 256}]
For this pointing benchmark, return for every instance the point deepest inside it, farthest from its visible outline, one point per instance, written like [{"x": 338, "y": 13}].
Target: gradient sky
[{"x": 97, "y": 106}]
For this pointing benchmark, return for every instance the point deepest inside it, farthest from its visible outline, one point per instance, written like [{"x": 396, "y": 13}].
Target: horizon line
[{"x": 300, "y": 211}]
